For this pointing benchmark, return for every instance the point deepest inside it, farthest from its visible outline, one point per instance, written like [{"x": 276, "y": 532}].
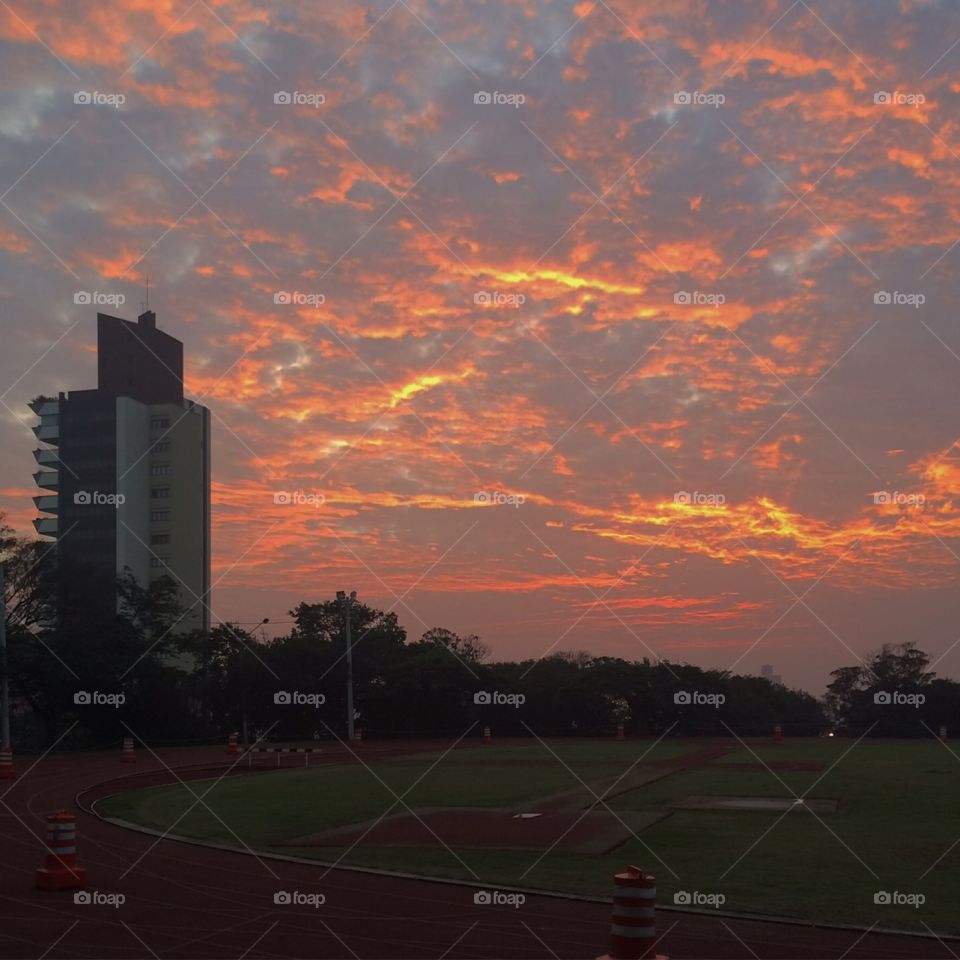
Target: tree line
[{"x": 101, "y": 676}]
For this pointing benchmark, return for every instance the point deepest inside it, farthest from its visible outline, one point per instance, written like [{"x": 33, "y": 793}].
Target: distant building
[
  {"x": 125, "y": 469},
  {"x": 766, "y": 671}
]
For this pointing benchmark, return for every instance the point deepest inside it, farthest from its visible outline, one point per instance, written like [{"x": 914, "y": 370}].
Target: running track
[{"x": 186, "y": 901}]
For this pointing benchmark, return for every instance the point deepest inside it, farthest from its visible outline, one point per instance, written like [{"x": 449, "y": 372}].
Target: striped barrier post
[
  {"x": 61, "y": 871},
  {"x": 6, "y": 764},
  {"x": 620, "y": 735},
  {"x": 633, "y": 929},
  {"x": 487, "y": 736},
  {"x": 778, "y": 733},
  {"x": 943, "y": 733},
  {"x": 128, "y": 756},
  {"x": 232, "y": 743},
  {"x": 358, "y": 736}
]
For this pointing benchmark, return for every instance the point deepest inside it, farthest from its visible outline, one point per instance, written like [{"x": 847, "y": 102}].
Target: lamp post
[
  {"x": 346, "y": 603},
  {"x": 4, "y": 685}
]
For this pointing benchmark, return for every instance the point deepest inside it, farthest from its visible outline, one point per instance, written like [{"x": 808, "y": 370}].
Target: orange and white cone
[
  {"x": 633, "y": 930},
  {"x": 943, "y": 733},
  {"x": 778, "y": 733},
  {"x": 487, "y": 736},
  {"x": 358, "y": 736},
  {"x": 128, "y": 756},
  {"x": 232, "y": 743},
  {"x": 6, "y": 764},
  {"x": 620, "y": 735},
  {"x": 61, "y": 871}
]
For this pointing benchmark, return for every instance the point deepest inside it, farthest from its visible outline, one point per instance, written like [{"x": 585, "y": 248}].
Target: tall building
[
  {"x": 125, "y": 469},
  {"x": 766, "y": 671}
]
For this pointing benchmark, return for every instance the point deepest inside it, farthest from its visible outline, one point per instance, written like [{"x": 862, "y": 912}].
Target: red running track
[{"x": 185, "y": 901}]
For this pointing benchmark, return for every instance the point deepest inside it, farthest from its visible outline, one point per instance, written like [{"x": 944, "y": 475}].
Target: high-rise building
[
  {"x": 766, "y": 671},
  {"x": 125, "y": 469}
]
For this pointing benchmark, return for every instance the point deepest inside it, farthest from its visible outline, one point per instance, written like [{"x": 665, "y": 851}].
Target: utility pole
[
  {"x": 346, "y": 603},
  {"x": 4, "y": 685}
]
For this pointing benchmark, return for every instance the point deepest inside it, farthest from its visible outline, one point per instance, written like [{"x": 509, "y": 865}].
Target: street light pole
[
  {"x": 345, "y": 607},
  {"x": 4, "y": 684}
]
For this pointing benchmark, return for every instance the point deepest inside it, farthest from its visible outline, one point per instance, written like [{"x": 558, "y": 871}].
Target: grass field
[{"x": 895, "y": 829}]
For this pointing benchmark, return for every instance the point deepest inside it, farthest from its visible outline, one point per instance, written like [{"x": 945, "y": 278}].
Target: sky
[{"x": 616, "y": 326}]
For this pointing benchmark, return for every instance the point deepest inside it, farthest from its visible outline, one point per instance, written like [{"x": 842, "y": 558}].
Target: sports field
[{"x": 878, "y": 817}]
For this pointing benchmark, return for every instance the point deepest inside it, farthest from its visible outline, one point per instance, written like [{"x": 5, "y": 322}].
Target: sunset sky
[{"x": 686, "y": 218}]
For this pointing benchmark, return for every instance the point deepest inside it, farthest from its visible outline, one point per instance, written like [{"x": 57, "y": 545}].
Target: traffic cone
[
  {"x": 633, "y": 929},
  {"x": 620, "y": 735},
  {"x": 487, "y": 738},
  {"x": 60, "y": 871},
  {"x": 943, "y": 733},
  {"x": 232, "y": 743},
  {"x": 6, "y": 764},
  {"x": 778, "y": 733},
  {"x": 358, "y": 736},
  {"x": 128, "y": 755}
]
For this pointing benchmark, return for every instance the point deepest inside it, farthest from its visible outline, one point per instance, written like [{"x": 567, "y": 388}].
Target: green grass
[{"x": 899, "y": 813}]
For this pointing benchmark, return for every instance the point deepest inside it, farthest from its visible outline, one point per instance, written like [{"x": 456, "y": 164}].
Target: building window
[
  {"x": 160, "y": 470},
  {"x": 158, "y": 562},
  {"x": 158, "y": 516},
  {"x": 159, "y": 493},
  {"x": 157, "y": 538},
  {"x": 159, "y": 423},
  {"x": 161, "y": 446}
]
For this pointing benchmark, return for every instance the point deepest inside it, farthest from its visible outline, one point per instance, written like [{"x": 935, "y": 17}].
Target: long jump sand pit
[
  {"x": 759, "y": 804},
  {"x": 593, "y": 832}
]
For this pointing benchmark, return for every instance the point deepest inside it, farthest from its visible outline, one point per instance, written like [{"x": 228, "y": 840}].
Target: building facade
[{"x": 124, "y": 470}]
